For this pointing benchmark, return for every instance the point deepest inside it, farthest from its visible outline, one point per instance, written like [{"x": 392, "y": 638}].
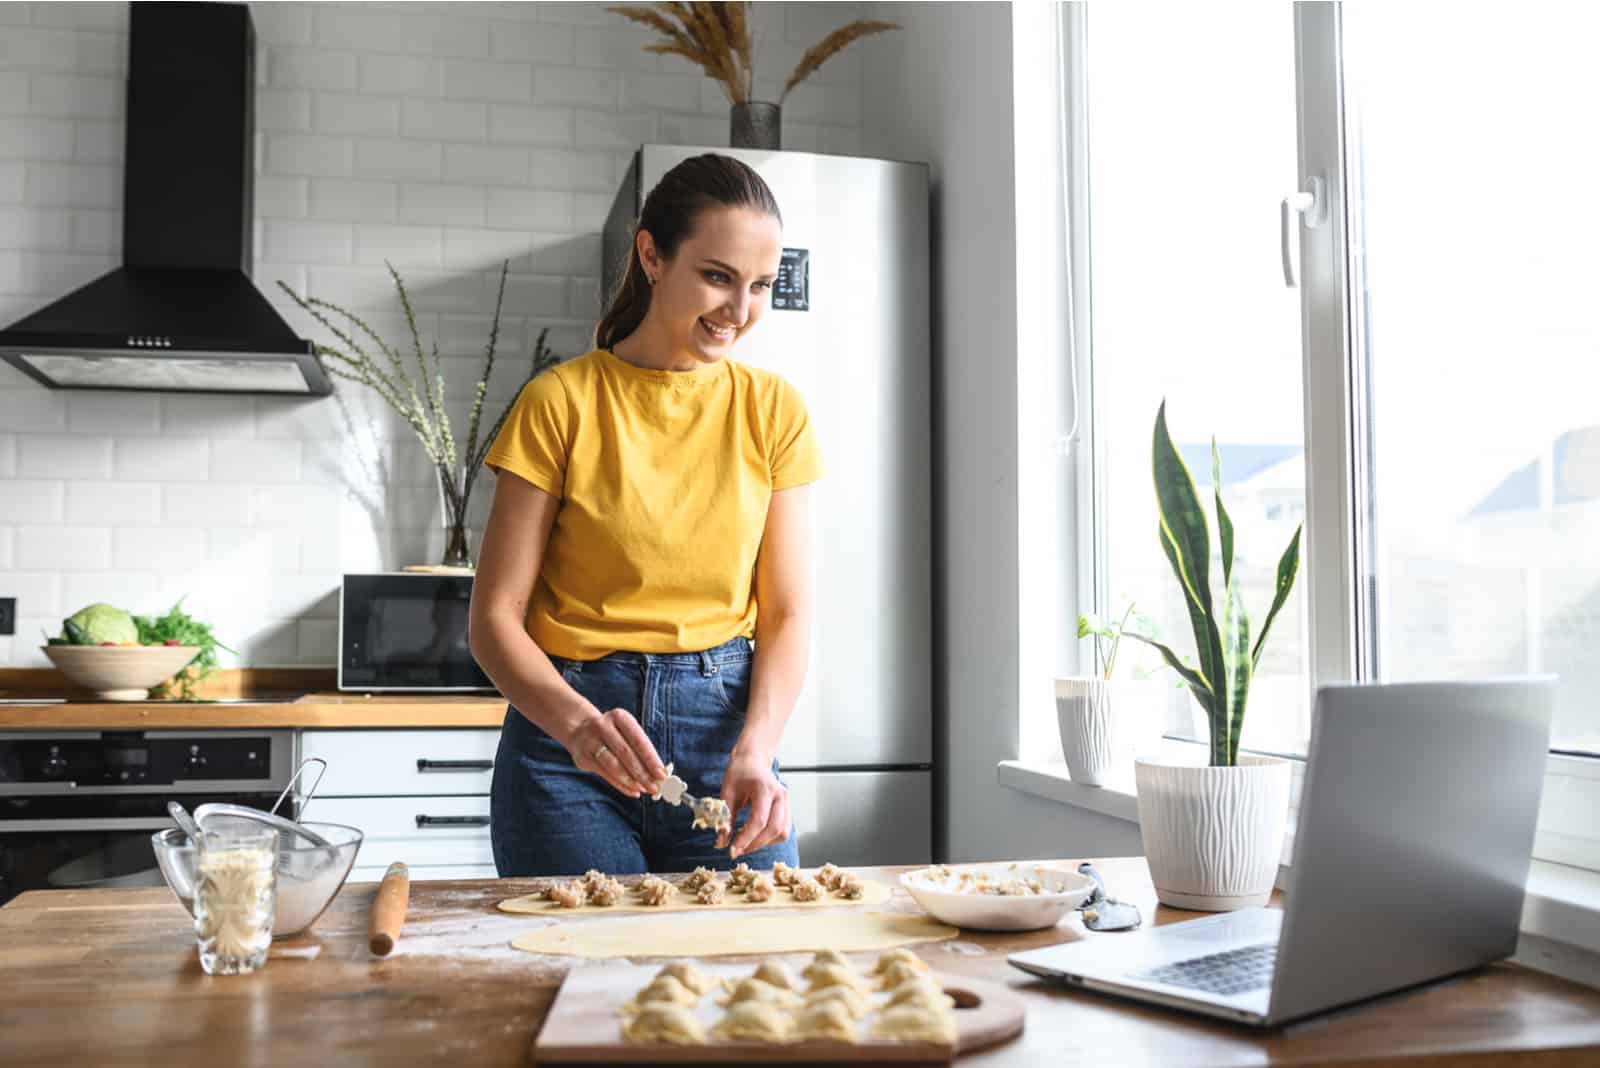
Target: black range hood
[{"x": 181, "y": 313}]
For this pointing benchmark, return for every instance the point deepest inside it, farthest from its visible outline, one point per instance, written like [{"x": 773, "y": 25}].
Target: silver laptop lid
[{"x": 1416, "y": 828}]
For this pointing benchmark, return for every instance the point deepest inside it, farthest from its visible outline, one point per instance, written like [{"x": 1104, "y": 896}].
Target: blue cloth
[{"x": 549, "y": 818}]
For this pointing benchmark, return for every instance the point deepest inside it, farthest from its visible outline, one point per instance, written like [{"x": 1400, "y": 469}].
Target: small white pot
[
  {"x": 1090, "y": 738},
  {"x": 1213, "y": 836}
]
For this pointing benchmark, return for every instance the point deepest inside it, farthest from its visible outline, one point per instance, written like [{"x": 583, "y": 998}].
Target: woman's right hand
[{"x": 614, "y": 746}]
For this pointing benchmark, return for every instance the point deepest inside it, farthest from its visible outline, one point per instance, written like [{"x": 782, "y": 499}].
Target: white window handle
[{"x": 1312, "y": 205}]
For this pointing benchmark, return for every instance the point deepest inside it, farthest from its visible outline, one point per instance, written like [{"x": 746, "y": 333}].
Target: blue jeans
[{"x": 549, "y": 818}]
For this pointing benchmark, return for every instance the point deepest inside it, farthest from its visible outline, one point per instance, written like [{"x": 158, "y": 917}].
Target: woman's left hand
[{"x": 749, "y": 781}]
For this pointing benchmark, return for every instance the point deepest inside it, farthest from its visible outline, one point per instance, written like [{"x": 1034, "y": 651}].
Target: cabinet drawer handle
[
  {"x": 452, "y": 821},
  {"x": 454, "y": 765}
]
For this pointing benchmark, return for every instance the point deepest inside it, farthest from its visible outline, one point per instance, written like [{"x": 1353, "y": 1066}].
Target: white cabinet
[{"x": 419, "y": 796}]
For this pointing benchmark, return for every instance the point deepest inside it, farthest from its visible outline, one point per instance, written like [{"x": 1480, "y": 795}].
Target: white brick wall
[{"x": 442, "y": 138}]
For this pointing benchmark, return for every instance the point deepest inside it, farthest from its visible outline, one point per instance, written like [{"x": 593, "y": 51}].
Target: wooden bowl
[{"x": 120, "y": 672}]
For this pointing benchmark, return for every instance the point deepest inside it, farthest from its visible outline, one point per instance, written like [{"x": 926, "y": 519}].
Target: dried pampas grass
[{"x": 716, "y": 38}]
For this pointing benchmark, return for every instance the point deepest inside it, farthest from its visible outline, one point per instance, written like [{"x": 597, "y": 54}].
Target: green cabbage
[{"x": 104, "y": 623}]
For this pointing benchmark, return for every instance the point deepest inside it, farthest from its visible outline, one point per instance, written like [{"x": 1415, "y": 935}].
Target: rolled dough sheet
[
  {"x": 722, "y": 935},
  {"x": 683, "y": 901}
]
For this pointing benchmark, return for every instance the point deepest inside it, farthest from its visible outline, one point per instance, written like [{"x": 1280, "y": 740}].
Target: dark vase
[
  {"x": 457, "y": 535},
  {"x": 756, "y": 125}
]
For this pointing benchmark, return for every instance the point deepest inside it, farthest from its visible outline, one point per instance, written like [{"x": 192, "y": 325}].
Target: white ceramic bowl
[
  {"x": 1064, "y": 891},
  {"x": 120, "y": 672}
]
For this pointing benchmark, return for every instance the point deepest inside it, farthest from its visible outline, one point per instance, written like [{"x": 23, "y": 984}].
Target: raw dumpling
[
  {"x": 607, "y": 892},
  {"x": 663, "y": 988},
  {"x": 854, "y": 1002},
  {"x": 826, "y": 975},
  {"x": 754, "y": 1020},
  {"x": 570, "y": 896},
  {"x": 908, "y": 1023},
  {"x": 828, "y": 956},
  {"x": 899, "y": 953},
  {"x": 826, "y": 1020},
  {"x": 900, "y": 972},
  {"x": 662, "y": 1021},
  {"x": 653, "y": 891},
  {"x": 753, "y": 989},
  {"x": 919, "y": 991},
  {"x": 687, "y": 973},
  {"x": 849, "y": 886},
  {"x": 778, "y": 974}
]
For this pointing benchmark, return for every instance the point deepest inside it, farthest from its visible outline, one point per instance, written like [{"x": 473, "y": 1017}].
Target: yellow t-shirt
[{"x": 664, "y": 479}]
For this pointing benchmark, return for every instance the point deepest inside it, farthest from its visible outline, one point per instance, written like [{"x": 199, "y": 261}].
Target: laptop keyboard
[{"x": 1236, "y": 971}]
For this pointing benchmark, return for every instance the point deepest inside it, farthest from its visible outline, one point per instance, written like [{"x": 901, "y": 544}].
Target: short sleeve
[
  {"x": 533, "y": 441},
  {"x": 795, "y": 456}
]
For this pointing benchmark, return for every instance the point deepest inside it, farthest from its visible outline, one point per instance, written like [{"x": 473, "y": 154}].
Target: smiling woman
[{"x": 642, "y": 594}]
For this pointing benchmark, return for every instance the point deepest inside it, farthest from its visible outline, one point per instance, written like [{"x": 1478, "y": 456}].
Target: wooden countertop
[
  {"x": 313, "y": 702},
  {"x": 111, "y": 976}
]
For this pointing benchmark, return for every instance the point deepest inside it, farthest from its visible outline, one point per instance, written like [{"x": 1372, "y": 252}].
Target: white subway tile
[
  {"x": 564, "y": 170},
  {"x": 403, "y": 246},
  {"x": 35, "y": 138},
  {"x": 134, "y": 590},
  {"x": 203, "y": 504},
  {"x": 8, "y": 456},
  {"x": 309, "y": 154},
  {"x": 295, "y": 241},
  {"x": 457, "y": 205},
  {"x": 280, "y": 197},
  {"x": 76, "y": 95},
  {"x": 247, "y": 550},
  {"x": 57, "y": 548},
  {"x": 668, "y": 92},
  {"x": 100, "y": 53},
  {"x": 12, "y": 182},
  {"x": 292, "y": 67},
  {"x": 58, "y": 273},
  {"x": 453, "y": 35},
  {"x": 13, "y": 88},
  {"x": 38, "y": 49},
  {"x": 63, "y": 456},
  {"x": 589, "y": 210},
  {"x": 576, "y": 14},
  {"x": 255, "y": 460},
  {"x": 282, "y": 23},
  {"x": 30, "y": 406},
  {"x": 97, "y": 231},
  {"x": 317, "y": 642},
  {"x": 170, "y": 550},
  {"x": 405, "y": 75},
  {"x": 97, "y": 142},
  {"x": 534, "y": 295},
  {"x": 17, "y": 274},
  {"x": 445, "y": 120},
  {"x": 113, "y": 503},
  {"x": 586, "y": 299},
  {"x": 530, "y": 125},
  {"x": 91, "y": 411},
  {"x": 780, "y": 58},
  {"x": 35, "y": 502},
  {"x": 837, "y": 104},
  {"x": 486, "y": 164},
  {"x": 468, "y": 335},
  {"x": 352, "y": 200},
  {"x": 283, "y": 110},
  {"x": 304, "y": 596},
  {"x": 564, "y": 253},
  {"x": 356, "y": 288},
  {"x": 532, "y": 43},
  {"x": 15, "y": 14},
  {"x": 83, "y": 185},
  {"x": 348, "y": 113},
  {"x": 531, "y": 208},
  {"x": 211, "y": 415},
  {"x": 81, "y": 16},
  {"x": 596, "y": 128},
  {"x": 302, "y": 507},
  {"x": 616, "y": 49},
  {"x": 581, "y": 87},
  {"x": 349, "y": 26},
  {"x": 694, "y": 130},
  {"x": 38, "y": 593},
  {"x": 483, "y": 250},
  {"x": 480, "y": 80},
  {"x": 398, "y": 159},
  {"x": 170, "y": 459}
]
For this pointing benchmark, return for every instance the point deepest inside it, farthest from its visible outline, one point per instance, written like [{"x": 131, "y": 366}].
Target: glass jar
[{"x": 235, "y": 894}]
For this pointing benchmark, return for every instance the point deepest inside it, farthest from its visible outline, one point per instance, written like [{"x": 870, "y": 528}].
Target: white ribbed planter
[
  {"x": 1213, "y": 836},
  {"x": 1085, "y": 714}
]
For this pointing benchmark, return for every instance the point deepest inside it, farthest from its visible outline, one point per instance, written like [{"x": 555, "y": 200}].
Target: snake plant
[{"x": 1226, "y": 659}]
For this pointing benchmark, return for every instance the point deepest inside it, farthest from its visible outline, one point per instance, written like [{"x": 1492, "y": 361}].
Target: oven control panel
[{"x": 131, "y": 759}]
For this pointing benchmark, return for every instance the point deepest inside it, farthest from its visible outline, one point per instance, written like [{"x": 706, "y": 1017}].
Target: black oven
[
  {"x": 77, "y": 808},
  {"x": 407, "y": 631}
]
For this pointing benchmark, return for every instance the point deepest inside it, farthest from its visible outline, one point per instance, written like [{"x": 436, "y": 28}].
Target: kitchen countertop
[{"x": 111, "y": 976}]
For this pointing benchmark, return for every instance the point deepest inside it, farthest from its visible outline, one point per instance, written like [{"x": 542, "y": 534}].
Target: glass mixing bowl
[{"x": 308, "y": 875}]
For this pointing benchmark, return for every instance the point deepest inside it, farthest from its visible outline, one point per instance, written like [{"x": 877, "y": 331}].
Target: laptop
[{"x": 1410, "y": 858}]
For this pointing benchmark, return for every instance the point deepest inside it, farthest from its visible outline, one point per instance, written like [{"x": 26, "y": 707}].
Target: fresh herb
[{"x": 178, "y": 627}]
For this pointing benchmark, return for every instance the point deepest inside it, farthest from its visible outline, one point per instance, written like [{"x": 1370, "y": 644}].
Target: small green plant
[
  {"x": 1108, "y": 634},
  {"x": 178, "y": 627},
  {"x": 1227, "y": 660}
]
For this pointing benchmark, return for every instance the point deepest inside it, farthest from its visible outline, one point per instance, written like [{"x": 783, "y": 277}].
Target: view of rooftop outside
[
  {"x": 1192, "y": 145},
  {"x": 1483, "y": 344}
]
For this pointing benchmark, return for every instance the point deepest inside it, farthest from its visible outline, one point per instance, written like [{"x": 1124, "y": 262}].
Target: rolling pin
[{"x": 389, "y": 909}]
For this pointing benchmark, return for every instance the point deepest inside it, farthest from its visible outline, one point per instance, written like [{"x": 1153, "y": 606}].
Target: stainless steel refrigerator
[{"x": 849, "y": 326}]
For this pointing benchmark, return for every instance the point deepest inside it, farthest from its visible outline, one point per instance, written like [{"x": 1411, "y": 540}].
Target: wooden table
[{"x": 110, "y": 977}]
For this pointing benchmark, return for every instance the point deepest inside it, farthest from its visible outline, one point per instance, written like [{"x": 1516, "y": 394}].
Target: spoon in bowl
[{"x": 185, "y": 822}]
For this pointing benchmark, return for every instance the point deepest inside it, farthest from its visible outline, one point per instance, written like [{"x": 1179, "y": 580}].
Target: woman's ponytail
[{"x": 669, "y": 215}]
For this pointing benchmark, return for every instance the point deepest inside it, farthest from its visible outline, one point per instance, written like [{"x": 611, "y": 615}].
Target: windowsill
[{"x": 1562, "y": 904}]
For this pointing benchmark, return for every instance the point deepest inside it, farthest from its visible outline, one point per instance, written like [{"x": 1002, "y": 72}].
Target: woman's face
[{"x": 717, "y": 286}]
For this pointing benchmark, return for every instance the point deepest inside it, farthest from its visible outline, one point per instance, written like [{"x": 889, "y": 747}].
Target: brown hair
[{"x": 669, "y": 213}]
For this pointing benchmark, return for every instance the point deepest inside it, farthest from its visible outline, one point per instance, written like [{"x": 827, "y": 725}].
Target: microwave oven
[{"x": 407, "y": 631}]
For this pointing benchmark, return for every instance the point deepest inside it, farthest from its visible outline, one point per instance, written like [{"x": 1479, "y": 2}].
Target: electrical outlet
[{"x": 8, "y": 615}]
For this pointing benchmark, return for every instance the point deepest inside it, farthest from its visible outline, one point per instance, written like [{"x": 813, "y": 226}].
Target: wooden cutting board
[{"x": 583, "y": 1025}]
